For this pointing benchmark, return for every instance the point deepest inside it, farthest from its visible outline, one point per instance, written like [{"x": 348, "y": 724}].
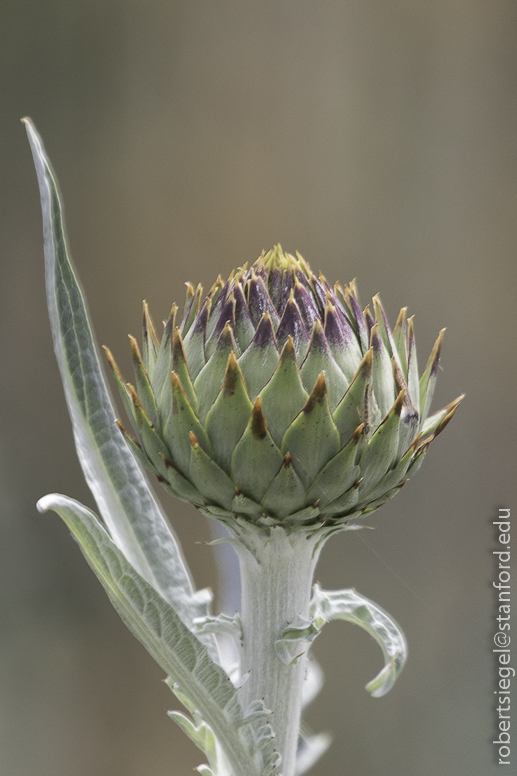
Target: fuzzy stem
[{"x": 276, "y": 587}]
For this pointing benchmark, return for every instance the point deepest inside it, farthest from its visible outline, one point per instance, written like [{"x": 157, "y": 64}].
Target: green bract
[{"x": 277, "y": 400}]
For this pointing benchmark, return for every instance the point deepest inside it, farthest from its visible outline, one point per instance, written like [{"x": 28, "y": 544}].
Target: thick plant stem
[{"x": 276, "y": 588}]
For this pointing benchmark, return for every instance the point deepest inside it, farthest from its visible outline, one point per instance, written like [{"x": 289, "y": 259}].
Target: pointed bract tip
[
  {"x": 356, "y": 436},
  {"x": 166, "y": 461},
  {"x": 288, "y": 461},
  {"x": 231, "y": 375},
  {"x": 399, "y": 402},
  {"x": 455, "y": 403},
  {"x": 401, "y": 320},
  {"x": 376, "y": 342},
  {"x": 112, "y": 362},
  {"x": 434, "y": 358},
  {"x": 176, "y": 382},
  {"x": 193, "y": 439},
  {"x": 366, "y": 364},
  {"x": 258, "y": 421},
  {"x": 289, "y": 345},
  {"x": 177, "y": 343},
  {"x": 446, "y": 420},
  {"x": 317, "y": 329},
  {"x": 318, "y": 393},
  {"x": 135, "y": 350}
]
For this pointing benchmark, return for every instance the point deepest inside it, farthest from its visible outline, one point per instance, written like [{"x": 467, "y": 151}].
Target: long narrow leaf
[
  {"x": 135, "y": 521},
  {"x": 156, "y": 624}
]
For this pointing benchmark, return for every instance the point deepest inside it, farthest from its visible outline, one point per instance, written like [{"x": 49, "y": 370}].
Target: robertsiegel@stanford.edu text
[{"x": 505, "y": 672}]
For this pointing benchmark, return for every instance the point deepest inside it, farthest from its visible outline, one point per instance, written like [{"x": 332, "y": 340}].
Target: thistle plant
[{"x": 278, "y": 407}]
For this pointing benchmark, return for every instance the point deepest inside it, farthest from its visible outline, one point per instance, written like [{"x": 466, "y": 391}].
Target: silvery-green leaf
[
  {"x": 201, "y": 734},
  {"x": 223, "y": 623},
  {"x": 350, "y": 606},
  {"x": 204, "y": 770},
  {"x": 156, "y": 624},
  {"x": 135, "y": 521}
]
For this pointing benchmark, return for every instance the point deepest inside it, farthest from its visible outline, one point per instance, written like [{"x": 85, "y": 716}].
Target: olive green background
[{"x": 376, "y": 137}]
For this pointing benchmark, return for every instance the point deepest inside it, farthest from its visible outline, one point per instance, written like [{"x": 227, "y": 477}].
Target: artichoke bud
[{"x": 279, "y": 401}]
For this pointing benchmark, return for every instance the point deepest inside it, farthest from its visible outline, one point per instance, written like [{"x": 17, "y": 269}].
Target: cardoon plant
[{"x": 278, "y": 407}]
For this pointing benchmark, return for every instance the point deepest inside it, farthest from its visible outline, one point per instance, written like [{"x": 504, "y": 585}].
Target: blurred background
[{"x": 378, "y": 138}]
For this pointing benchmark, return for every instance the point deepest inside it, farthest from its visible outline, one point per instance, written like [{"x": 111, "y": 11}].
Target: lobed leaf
[{"x": 158, "y": 627}]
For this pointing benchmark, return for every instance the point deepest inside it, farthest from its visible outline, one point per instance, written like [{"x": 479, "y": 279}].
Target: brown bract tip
[
  {"x": 366, "y": 364},
  {"x": 135, "y": 350},
  {"x": 193, "y": 439},
  {"x": 356, "y": 436},
  {"x": 287, "y": 460},
  {"x": 411, "y": 330},
  {"x": 289, "y": 348},
  {"x": 166, "y": 461},
  {"x": 375, "y": 339},
  {"x": 231, "y": 375},
  {"x": 120, "y": 426},
  {"x": 258, "y": 421},
  {"x": 447, "y": 419},
  {"x": 401, "y": 320},
  {"x": 112, "y": 362},
  {"x": 399, "y": 402},
  {"x": 318, "y": 393}
]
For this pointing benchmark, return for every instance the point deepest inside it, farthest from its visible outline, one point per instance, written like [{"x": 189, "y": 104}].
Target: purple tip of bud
[
  {"x": 319, "y": 342},
  {"x": 370, "y": 321},
  {"x": 241, "y": 307},
  {"x": 307, "y": 307},
  {"x": 201, "y": 320},
  {"x": 285, "y": 293},
  {"x": 303, "y": 279},
  {"x": 265, "y": 334},
  {"x": 358, "y": 317},
  {"x": 376, "y": 339},
  {"x": 227, "y": 314},
  {"x": 275, "y": 286},
  {"x": 259, "y": 301},
  {"x": 319, "y": 295},
  {"x": 337, "y": 329},
  {"x": 219, "y": 302},
  {"x": 292, "y": 325},
  {"x": 188, "y": 309}
]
